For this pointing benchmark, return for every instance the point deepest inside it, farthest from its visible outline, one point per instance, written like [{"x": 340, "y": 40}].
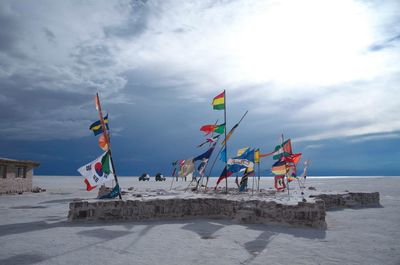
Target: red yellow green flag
[{"x": 219, "y": 101}]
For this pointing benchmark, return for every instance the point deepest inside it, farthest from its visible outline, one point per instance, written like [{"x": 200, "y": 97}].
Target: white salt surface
[{"x": 34, "y": 230}]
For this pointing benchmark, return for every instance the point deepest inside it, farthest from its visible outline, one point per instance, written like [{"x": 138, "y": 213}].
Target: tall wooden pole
[
  {"x": 226, "y": 146},
  {"x": 258, "y": 169},
  {"x": 107, "y": 138}
]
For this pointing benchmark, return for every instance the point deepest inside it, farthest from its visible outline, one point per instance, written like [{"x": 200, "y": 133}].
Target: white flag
[{"x": 98, "y": 171}]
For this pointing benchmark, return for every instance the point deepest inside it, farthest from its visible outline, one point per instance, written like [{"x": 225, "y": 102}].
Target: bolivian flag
[{"x": 219, "y": 101}]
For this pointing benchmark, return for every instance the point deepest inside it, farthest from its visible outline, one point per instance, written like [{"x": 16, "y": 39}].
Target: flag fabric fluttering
[
  {"x": 280, "y": 182},
  {"x": 279, "y": 168},
  {"x": 207, "y": 129},
  {"x": 283, "y": 149},
  {"x": 292, "y": 158},
  {"x": 257, "y": 156},
  {"x": 96, "y": 126},
  {"x": 222, "y": 155},
  {"x": 236, "y": 164},
  {"x": 187, "y": 167},
  {"x": 98, "y": 171},
  {"x": 112, "y": 194},
  {"x": 103, "y": 143},
  {"x": 229, "y": 134},
  {"x": 219, "y": 102},
  {"x": 209, "y": 140},
  {"x": 205, "y": 155},
  {"x": 241, "y": 151},
  {"x": 225, "y": 174}
]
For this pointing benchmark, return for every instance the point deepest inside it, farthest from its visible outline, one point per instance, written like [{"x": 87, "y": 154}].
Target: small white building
[{"x": 16, "y": 175}]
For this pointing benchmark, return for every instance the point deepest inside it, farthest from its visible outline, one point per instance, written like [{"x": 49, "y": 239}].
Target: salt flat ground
[{"x": 34, "y": 230}]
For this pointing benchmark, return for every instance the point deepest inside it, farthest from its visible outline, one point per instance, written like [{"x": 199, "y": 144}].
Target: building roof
[{"x": 8, "y": 161}]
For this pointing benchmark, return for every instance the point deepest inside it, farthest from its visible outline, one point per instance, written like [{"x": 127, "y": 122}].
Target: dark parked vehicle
[
  {"x": 144, "y": 177},
  {"x": 160, "y": 177}
]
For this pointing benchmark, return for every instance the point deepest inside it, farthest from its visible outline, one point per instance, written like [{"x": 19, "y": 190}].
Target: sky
[{"x": 324, "y": 73}]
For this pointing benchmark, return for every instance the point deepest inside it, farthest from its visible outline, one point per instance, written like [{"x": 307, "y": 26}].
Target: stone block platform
[{"x": 260, "y": 209}]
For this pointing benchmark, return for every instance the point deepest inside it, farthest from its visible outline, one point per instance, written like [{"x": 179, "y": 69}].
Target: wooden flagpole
[
  {"x": 107, "y": 138},
  {"x": 258, "y": 169},
  {"x": 222, "y": 147},
  {"x": 286, "y": 171},
  {"x": 226, "y": 146}
]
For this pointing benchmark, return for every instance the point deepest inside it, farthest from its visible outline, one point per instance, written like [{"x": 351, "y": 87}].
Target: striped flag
[{"x": 219, "y": 101}]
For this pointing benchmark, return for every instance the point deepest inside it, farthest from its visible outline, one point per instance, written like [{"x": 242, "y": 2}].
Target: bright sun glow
[{"x": 303, "y": 42}]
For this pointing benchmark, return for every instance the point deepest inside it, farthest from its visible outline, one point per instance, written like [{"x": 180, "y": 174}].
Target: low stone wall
[
  {"x": 349, "y": 200},
  {"x": 311, "y": 214}
]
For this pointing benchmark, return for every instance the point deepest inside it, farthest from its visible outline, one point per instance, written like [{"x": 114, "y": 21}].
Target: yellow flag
[{"x": 257, "y": 156}]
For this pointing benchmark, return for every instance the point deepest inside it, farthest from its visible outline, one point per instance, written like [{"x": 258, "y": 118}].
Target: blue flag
[
  {"x": 96, "y": 126},
  {"x": 222, "y": 155}
]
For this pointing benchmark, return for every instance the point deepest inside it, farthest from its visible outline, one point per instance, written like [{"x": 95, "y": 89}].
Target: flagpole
[
  {"x": 223, "y": 146},
  {"x": 286, "y": 171},
  {"x": 107, "y": 138},
  {"x": 226, "y": 146},
  {"x": 258, "y": 167}
]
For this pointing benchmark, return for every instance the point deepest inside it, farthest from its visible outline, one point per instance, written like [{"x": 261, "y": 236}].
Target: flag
[
  {"x": 209, "y": 140},
  {"x": 98, "y": 171},
  {"x": 213, "y": 128},
  {"x": 187, "y": 167},
  {"x": 88, "y": 186},
  {"x": 219, "y": 102},
  {"x": 279, "y": 168},
  {"x": 283, "y": 149},
  {"x": 291, "y": 173},
  {"x": 241, "y": 151},
  {"x": 96, "y": 126},
  {"x": 103, "y": 143},
  {"x": 230, "y": 134},
  {"x": 225, "y": 174},
  {"x": 293, "y": 158},
  {"x": 222, "y": 155},
  {"x": 112, "y": 194},
  {"x": 280, "y": 182},
  {"x": 245, "y": 160},
  {"x": 257, "y": 156},
  {"x": 205, "y": 155}
]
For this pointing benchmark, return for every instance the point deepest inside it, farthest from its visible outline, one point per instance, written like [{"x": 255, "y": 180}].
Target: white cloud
[{"x": 309, "y": 60}]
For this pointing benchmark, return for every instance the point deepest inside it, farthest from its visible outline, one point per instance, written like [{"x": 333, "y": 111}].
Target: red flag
[
  {"x": 293, "y": 158},
  {"x": 280, "y": 182},
  {"x": 88, "y": 186}
]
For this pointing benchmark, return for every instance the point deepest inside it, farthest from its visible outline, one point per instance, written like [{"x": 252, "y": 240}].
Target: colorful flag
[
  {"x": 219, "y": 102},
  {"x": 222, "y": 155},
  {"x": 96, "y": 126},
  {"x": 187, "y": 167},
  {"x": 225, "y": 174},
  {"x": 257, "y": 156},
  {"x": 213, "y": 128},
  {"x": 205, "y": 155},
  {"x": 103, "y": 143},
  {"x": 245, "y": 160},
  {"x": 209, "y": 140},
  {"x": 112, "y": 194},
  {"x": 241, "y": 151},
  {"x": 230, "y": 134},
  {"x": 279, "y": 168},
  {"x": 280, "y": 182},
  {"x": 98, "y": 171},
  {"x": 292, "y": 158},
  {"x": 283, "y": 149}
]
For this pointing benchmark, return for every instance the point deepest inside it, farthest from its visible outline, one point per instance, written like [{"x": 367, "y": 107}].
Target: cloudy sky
[{"x": 324, "y": 73}]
